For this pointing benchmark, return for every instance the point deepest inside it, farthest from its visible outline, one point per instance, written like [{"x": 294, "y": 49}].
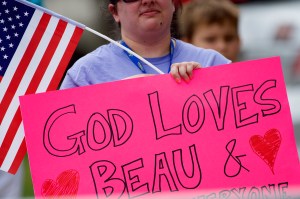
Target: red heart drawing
[
  {"x": 267, "y": 147},
  {"x": 66, "y": 184}
]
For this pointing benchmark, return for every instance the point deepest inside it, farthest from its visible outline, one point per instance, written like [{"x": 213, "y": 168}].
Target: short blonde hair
[{"x": 206, "y": 12}]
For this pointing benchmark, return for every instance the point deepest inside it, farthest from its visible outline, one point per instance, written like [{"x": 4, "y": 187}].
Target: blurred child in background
[{"x": 211, "y": 24}]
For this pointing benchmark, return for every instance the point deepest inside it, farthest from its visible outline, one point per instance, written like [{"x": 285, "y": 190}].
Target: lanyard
[{"x": 137, "y": 62}]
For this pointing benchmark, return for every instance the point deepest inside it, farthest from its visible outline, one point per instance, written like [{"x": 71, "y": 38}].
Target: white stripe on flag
[
  {"x": 14, "y": 64},
  {"x": 13, "y": 150},
  {"x": 59, "y": 52},
  {"x": 14, "y": 105}
]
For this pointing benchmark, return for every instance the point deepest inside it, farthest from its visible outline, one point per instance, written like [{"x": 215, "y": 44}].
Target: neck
[{"x": 156, "y": 47}]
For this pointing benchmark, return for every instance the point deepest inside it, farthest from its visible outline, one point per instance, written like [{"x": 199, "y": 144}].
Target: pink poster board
[{"x": 226, "y": 134}]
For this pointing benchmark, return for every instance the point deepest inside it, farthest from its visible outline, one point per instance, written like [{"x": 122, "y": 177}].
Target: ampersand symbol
[{"x": 234, "y": 158}]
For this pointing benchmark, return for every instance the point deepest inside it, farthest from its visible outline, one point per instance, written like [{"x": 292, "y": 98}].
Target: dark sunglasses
[
  {"x": 126, "y": 1},
  {"x": 130, "y": 1}
]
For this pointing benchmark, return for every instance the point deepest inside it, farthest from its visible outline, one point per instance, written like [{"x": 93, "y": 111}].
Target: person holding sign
[{"x": 145, "y": 29}]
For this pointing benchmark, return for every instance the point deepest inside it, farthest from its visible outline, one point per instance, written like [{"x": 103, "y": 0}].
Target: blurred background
[
  {"x": 272, "y": 28},
  {"x": 267, "y": 28}
]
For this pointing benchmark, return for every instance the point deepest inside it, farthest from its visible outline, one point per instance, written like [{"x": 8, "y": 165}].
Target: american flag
[{"x": 35, "y": 48}]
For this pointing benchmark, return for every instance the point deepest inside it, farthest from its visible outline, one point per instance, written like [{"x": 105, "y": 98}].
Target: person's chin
[{"x": 152, "y": 24}]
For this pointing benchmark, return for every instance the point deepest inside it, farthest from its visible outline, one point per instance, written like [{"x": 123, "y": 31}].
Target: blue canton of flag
[{"x": 14, "y": 18}]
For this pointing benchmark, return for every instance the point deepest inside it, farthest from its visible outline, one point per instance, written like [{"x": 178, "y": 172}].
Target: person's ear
[
  {"x": 114, "y": 12},
  {"x": 174, "y": 7}
]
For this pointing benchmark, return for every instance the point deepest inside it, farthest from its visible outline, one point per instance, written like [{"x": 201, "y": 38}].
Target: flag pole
[{"x": 124, "y": 48}]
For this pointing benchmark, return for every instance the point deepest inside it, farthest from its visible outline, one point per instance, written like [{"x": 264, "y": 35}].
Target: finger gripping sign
[{"x": 226, "y": 134}]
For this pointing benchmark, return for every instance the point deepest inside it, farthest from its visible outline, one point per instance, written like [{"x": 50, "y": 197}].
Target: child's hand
[{"x": 183, "y": 70}]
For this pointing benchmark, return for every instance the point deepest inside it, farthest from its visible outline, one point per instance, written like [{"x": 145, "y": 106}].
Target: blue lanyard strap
[{"x": 138, "y": 63}]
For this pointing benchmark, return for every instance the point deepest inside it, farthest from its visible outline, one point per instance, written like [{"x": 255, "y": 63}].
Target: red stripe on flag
[
  {"x": 18, "y": 158},
  {"x": 15, "y": 81},
  {"x": 10, "y": 135},
  {"x": 65, "y": 59},
  {"x": 34, "y": 85},
  {"x": 36, "y": 79},
  {"x": 59, "y": 31}
]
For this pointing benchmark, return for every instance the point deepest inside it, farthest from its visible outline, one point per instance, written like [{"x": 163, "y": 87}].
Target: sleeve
[
  {"x": 220, "y": 60},
  {"x": 68, "y": 82},
  {"x": 77, "y": 75}
]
